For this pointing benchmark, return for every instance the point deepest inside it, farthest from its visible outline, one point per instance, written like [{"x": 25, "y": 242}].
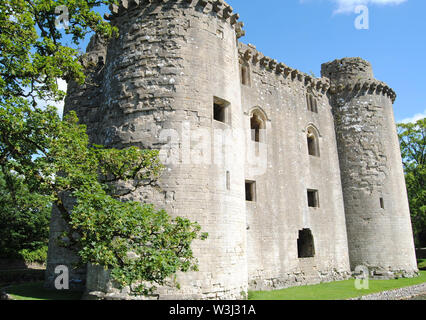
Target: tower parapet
[
  {"x": 217, "y": 8},
  {"x": 354, "y": 75},
  {"x": 376, "y": 207}
]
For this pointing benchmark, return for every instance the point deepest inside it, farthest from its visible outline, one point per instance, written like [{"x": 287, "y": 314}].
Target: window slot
[
  {"x": 313, "y": 199},
  {"x": 250, "y": 191}
]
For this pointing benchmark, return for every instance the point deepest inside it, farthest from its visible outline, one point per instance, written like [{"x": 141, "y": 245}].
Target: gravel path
[{"x": 408, "y": 293}]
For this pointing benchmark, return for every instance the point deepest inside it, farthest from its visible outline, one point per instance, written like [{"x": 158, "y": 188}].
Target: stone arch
[
  {"x": 312, "y": 136},
  {"x": 258, "y": 121}
]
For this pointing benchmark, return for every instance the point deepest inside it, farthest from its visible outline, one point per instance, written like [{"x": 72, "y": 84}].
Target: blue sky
[{"x": 306, "y": 33}]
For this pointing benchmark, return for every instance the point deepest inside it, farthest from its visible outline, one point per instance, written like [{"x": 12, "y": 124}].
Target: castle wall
[
  {"x": 377, "y": 213},
  {"x": 281, "y": 206},
  {"x": 159, "y": 82},
  {"x": 178, "y": 80}
]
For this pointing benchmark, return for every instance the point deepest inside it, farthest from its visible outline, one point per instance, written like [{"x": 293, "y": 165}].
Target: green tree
[
  {"x": 52, "y": 161},
  {"x": 412, "y": 137},
  {"x": 24, "y": 220}
]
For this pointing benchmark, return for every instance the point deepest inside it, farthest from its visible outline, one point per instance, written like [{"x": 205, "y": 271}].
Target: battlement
[
  {"x": 249, "y": 54},
  {"x": 217, "y": 8},
  {"x": 370, "y": 86},
  {"x": 347, "y": 69},
  {"x": 354, "y": 75}
]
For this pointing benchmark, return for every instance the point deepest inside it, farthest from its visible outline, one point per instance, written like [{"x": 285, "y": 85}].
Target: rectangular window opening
[
  {"x": 220, "y": 110},
  {"x": 313, "y": 199},
  {"x": 250, "y": 191},
  {"x": 382, "y": 203}
]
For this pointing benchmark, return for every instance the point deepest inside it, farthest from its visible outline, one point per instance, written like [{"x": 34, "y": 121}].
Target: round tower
[
  {"x": 171, "y": 81},
  {"x": 376, "y": 206}
]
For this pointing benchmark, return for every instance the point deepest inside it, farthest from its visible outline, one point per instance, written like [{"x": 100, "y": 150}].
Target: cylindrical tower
[
  {"x": 171, "y": 82},
  {"x": 377, "y": 213}
]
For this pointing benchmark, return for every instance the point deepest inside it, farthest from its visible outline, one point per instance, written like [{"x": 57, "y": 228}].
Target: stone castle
[{"x": 298, "y": 179}]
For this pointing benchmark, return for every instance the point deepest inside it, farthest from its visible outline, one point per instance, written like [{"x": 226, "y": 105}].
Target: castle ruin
[{"x": 298, "y": 179}]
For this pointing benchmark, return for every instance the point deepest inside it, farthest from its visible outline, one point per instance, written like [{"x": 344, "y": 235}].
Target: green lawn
[
  {"x": 36, "y": 291},
  {"x": 340, "y": 290}
]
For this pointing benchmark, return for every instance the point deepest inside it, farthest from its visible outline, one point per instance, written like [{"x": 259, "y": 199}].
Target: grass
[
  {"x": 340, "y": 290},
  {"x": 36, "y": 291}
]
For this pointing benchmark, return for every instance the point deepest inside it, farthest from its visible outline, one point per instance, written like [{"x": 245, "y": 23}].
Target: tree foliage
[
  {"x": 33, "y": 53},
  {"x": 48, "y": 161},
  {"x": 412, "y": 137},
  {"x": 24, "y": 219}
]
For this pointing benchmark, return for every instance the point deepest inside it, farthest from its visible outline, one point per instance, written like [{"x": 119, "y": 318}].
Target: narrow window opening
[
  {"x": 245, "y": 75},
  {"x": 312, "y": 103},
  {"x": 228, "y": 180},
  {"x": 305, "y": 244},
  {"x": 313, "y": 146},
  {"x": 250, "y": 191},
  {"x": 382, "y": 203},
  {"x": 257, "y": 126},
  {"x": 220, "y": 110},
  {"x": 313, "y": 199}
]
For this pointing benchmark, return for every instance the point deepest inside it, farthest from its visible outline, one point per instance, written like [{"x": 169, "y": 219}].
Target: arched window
[
  {"x": 313, "y": 142},
  {"x": 305, "y": 244},
  {"x": 257, "y": 125}
]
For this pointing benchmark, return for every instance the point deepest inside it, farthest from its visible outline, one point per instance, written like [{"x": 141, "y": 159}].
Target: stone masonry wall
[
  {"x": 281, "y": 206},
  {"x": 159, "y": 83},
  {"x": 156, "y": 86},
  {"x": 377, "y": 214}
]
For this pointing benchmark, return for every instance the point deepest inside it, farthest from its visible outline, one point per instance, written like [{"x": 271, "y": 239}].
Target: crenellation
[
  {"x": 249, "y": 54},
  {"x": 216, "y": 8}
]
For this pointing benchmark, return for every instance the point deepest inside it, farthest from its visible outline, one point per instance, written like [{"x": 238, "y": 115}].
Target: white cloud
[
  {"x": 414, "y": 118},
  {"x": 348, "y": 6}
]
